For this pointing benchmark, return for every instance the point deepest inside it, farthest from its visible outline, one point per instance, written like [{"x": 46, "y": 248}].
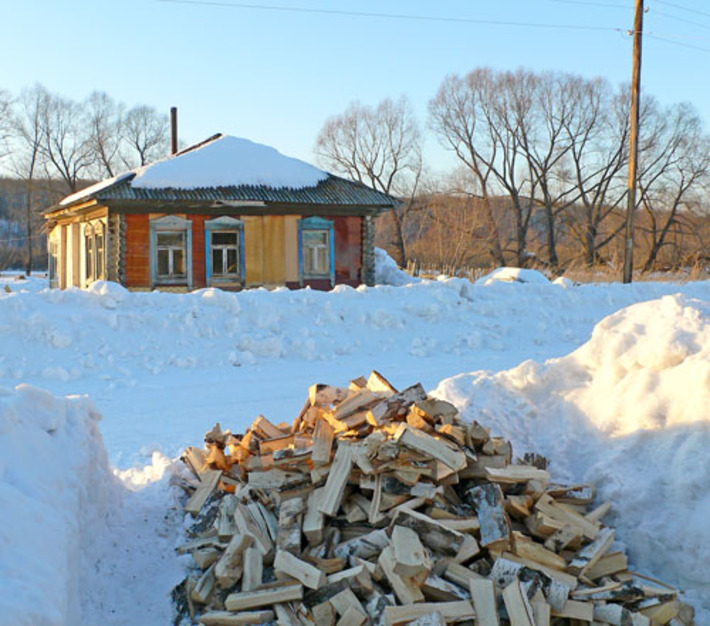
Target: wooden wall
[
  {"x": 137, "y": 251},
  {"x": 271, "y": 251}
]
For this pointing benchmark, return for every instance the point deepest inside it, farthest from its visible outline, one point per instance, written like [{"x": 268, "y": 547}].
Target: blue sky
[{"x": 274, "y": 76}]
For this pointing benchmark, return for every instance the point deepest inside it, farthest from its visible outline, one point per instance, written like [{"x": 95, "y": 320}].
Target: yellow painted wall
[
  {"x": 254, "y": 249},
  {"x": 291, "y": 247}
]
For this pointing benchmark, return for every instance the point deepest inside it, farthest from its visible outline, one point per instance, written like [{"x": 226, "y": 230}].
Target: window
[
  {"x": 317, "y": 249},
  {"x": 94, "y": 257},
  {"x": 171, "y": 255},
  {"x": 53, "y": 263},
  {"x": 171, "y": 243},
  {"x": 224, "y": 250}
]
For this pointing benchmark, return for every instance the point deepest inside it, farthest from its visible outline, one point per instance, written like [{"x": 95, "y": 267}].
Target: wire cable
[{"x": 392, "y": 16}]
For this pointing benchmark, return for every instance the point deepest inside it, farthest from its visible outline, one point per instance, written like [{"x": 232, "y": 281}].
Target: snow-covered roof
[
  {"x": 228, "y": 162},
  {"x": 226, "y": 169}
]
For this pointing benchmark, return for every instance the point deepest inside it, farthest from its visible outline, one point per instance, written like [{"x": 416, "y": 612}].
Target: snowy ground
[{"x": 620, "y": 400}]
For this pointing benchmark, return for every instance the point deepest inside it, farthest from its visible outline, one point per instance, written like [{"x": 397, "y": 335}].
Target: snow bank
[
  {"x": 387, "y": 272},
  {"x": 627, "y": 411},
  {"x": 55, "y": 491},
  {"x": 513, "y": 275}
]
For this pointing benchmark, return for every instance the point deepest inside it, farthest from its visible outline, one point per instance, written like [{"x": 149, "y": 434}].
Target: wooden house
[{"x": 226, "y": 213}]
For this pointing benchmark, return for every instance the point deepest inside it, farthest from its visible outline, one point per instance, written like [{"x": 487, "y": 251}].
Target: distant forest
[{"x": 540, "y": 180}]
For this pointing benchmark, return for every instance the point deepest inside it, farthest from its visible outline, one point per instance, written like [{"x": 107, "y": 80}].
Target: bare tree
[
  {"x": 66, "y": 142},
  {"x": 27, "y": 161},
  {"x": 5, "y": 122},
  {"x": 599, "y": 135},
  {"x": 380, "y": 147},
  {"x": 145, "y": 136},
  {"x": 104, "y": 118},
  {"x": 674, "y": 161},
  {"x": 486, "y": 118}
]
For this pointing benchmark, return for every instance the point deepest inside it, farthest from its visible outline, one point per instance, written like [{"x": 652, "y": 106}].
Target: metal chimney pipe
[{"x": 173, "y": 130}]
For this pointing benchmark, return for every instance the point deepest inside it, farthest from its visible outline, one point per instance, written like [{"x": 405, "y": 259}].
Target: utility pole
[{"x": 633, "y": 144}]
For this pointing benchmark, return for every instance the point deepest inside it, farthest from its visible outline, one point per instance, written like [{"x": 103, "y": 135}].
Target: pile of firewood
[{"x": 381, "y": 506}]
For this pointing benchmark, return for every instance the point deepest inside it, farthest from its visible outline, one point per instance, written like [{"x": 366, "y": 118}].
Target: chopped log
[
  {"x": 410, "y": 556},
  {"x": 450, "y": 611},
  {"x": 345, "y": 600},
  {"x": 337, "y": 480},
  {"x": 263, "y": 597},
  {"x": 324, "y": 614},
  {"x": 325, "y": 395},
  {"x": 313, "y": 519},
  {"x": 247, "y": 526},
  {"x": 484, "y": 602},
  {"x": 205, "y": 585},
  {"x": 436, "y": 448},
  {"x": 514, "y": 474},
  {"x": 520, "y": 612},
  {"x": 289, "y": 525},
  {"x": 599, "y": 513},
  {"x": 229, "y": 568},
  {"x": 542, "y": 612},
  {"x": 468, "y": 550},
  {"x": 610, "y": 564},
  {"x": 460, "y": 575},
  {"x": 406, "y": 590},
  {"x": 432, "y": 533},
  {"x": 591, "y": 554},
  {"x": 305, "y": 573},
  {"x": 546, "y": 505},
  {"x": 352, "y": 617},
  {"x": 265, "y": 429},
  {"x": 495, "y": 525},
  {"x": 366, "y": 547},
  {"x": 354, "y": 403},
  {"x": 436, "y": 589},
  {"x": 277, "y": 479},
  {"x": 573, "y": 609},
  {"x": 253, "y": 569},
  {"x": 556, "y": 587},
  {"x": 395, "y": 405},
  {"x": 529, "y": 549},
  {"x": 227, "y": 618},
  {"x": 377, "y": 383},
  {"x": 562, "y": 538},
  {"x": 209, "y": 480}
]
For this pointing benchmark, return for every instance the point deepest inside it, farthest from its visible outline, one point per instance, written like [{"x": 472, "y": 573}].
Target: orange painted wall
[
  {"x": 137, "y": 251},
  {"x": 348, "y": 255}
]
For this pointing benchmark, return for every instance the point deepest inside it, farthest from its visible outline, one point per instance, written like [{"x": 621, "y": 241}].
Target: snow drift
[
  {"x": 55, "y": 491},
  {"x": 627, "y": 411}
]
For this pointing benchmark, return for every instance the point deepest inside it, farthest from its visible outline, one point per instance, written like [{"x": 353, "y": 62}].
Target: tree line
[
  {"x": 541, "y": 176},
  {"x": 56, "y": 145}
]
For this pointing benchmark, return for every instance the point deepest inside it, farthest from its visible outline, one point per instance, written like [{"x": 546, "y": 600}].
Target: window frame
[
  {"x": 315, "y": 224},
  {"x": 171, "y": 224},
  {"x": 225, "y": 224},
  {"x": 94, "y": 266}
]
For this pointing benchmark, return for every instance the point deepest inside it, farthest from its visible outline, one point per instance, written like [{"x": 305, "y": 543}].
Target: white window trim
[
  {"x": 167, "y": 224},
  {"x": 224, "y": 224}
]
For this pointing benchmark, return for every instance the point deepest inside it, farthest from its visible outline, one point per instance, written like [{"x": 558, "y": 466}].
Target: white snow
[
  {"x": 513, "y": 275},
  {"x": 225, "y": 162},
  {"x": 610, "y": 381}
]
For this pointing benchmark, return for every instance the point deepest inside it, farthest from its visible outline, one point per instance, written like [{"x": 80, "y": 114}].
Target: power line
[
  {"x": 606, "y": 5},
  {"x": 681, "y": 19},
  {"x": 682, "y": 8},
  {"x": 677, "y": 43},
  {"x": 393, "y": 16}
]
